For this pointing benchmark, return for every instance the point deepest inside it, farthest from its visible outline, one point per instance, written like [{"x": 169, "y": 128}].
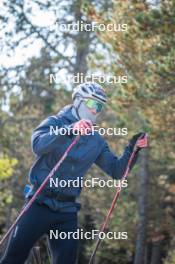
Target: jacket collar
[{"x": 66, "y": 112}]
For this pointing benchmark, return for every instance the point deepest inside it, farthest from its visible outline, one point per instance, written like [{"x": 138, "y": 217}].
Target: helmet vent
[
  {"x": 91, "y": 88},
  {"x": 84, "y": 90}
]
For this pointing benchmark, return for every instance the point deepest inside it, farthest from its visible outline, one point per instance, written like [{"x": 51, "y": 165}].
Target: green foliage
[
  {"x": 171, "y": 258},
  {"x": 7, "y": 167}
]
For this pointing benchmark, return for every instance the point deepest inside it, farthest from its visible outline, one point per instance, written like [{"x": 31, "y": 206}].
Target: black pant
[{"x": 39, "y": 220}]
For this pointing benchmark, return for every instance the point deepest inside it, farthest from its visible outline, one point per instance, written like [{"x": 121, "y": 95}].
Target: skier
[{"x": 56, "y": 207}]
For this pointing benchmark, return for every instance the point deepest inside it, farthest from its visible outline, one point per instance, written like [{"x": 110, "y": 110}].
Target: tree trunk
[
  {"x": 156, "y": 252},
  {"x": 142, "y": 209},
  {"x": 82, "y": 43}
]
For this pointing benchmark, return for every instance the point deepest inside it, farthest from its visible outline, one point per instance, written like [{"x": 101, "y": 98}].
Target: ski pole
[
  {"x": 114, "y": 201},
  {"x": 39, "y": 190}
]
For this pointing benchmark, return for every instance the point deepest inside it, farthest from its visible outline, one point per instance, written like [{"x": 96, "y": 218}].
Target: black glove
[{"x": 133, "y": 141}]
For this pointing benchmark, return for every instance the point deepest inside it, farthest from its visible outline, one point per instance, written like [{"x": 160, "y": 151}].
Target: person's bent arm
[
  {"x": 111, "y": 164},
  {"x": 116, "y": 166},
  {"x": 48, "y": 134}
]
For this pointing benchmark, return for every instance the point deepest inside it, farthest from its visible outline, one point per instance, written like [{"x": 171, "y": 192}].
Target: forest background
[{"x": 31, "y": 50}]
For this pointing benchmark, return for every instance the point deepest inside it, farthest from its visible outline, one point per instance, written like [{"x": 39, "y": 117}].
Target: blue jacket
[{"x": 90, "y": 149}]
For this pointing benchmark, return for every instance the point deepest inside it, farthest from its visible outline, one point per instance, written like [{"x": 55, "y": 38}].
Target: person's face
[{"x": 93, "y": 111}]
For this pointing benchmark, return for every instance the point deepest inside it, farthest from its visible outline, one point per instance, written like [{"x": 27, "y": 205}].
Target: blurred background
[{"x": 33, "y": 47}]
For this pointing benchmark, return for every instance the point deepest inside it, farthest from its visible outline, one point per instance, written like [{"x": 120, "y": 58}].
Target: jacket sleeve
[
  {"x": 48, "y": 135},
  {"x": 113, "y": 165}
]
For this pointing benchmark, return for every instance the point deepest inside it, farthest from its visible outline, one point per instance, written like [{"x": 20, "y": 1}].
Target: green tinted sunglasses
[{"x": 93, "y": 104}]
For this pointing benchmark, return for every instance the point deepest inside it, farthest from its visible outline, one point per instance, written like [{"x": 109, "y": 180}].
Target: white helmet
[{"x": 90, "y": 90}]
